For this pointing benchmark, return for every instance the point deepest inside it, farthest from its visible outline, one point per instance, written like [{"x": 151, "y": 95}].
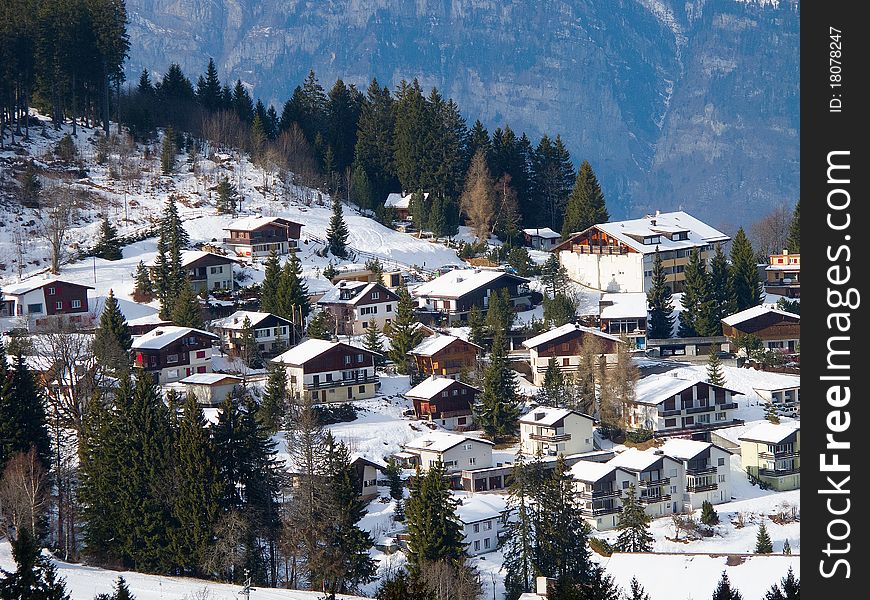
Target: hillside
[{"x": 676, "y": 104}]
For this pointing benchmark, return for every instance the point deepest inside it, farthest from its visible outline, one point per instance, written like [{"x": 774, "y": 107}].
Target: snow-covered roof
[
  {"x": 430, "y": 387},
  {"x": 656, "y": 388},
  {"x": 795, "y": 267},
  {"x": 358, "y": 289},
  {"x": 130, "y": 310},
  {"x": 160, "y": 337},
  {"x": 208, "y": 378},
  {"x": 396, "y": 200},
  {"x": 771, "y": 433},
  {"x": 17, "y": 289},
  {"x": 558, "y": 332},
  {"x": 542, "y": 232},
  {"x": 548, "y": 415},
  {"x": 379, "y": 464},
  {"x": 254, "y": 222},
  {"x": 634, "y": 459},
  {"x": 684, "y": 449},
  {"x": 459, "y": 282},
  {"x": 441, "y": 441},
  {"x": 478, "y": 507},
  {"x": 191, "y": 256},
  {"x": 304, "y": 352},
  {"x": 623, "y": 306},
  {"x": 434, "y": 344},
  {"x": 235, "y": 320},
  {"x": 699, "y": 233},
  {"x": 591, "y": 471},
  {"x": 153, "y": 319},
  {"x": 754, "y": 312},
  {"x": 778, "y": 381}
]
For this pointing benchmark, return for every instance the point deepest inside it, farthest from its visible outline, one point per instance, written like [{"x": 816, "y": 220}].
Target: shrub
[
  {"x": 638, "y": 436},
  {"x": 600, "y": 546},
  {"x": 335, "y": 413}
]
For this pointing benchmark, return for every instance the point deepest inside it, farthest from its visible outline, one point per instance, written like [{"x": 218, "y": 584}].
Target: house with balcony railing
[
  {"x": 657, "y": 478},
  {"x": 772, "y": 453},
  {"x": 444, "y": 401},
  {"x": 777, "y": 329},
  {"x": 172, "y": 353},
  {"x": 552, "y": 431},
  {"x": 451, "y": 296},
  {"x": 259, "y": 236},
  {"x": 327, "y": 371},
  {"x": 667, "y": 404},
  {"x": 624, "y": 315},
  {"x": 782, "y": 275},
  {"x": 782, "y": 392},
  {"x": 564, "y": 345},
  {"x": 706, "y": 473},
  {"x": 205, "y": 270},
  {"x": 599, "y": 490}
]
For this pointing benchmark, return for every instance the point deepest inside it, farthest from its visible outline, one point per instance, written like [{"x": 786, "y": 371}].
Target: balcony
[
  {"x": 597, "y": 512},
  {"x": 700, "y": 409},
  {"x": 654, "y": 499},
  {"x": 779, "y": 472},
  {"x": 563, "y": 437},
  {"x": 612, "y": 250},
  {"x": 647, "y": 483},
  {"x": 729, "y": 406},
  {"x": 780, "y": 455},
  {"x": 702, "y": 488},
  {"x": 701, "y": 471},
  {"x": 272, "y": 239},
  {"x": 599, "y": 494},
  {"x": 324, "y": 385},
  {"x": 671, "y": 413}
]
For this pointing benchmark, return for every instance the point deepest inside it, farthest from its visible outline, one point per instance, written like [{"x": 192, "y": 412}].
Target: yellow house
[{"x": 772, "y": 453}]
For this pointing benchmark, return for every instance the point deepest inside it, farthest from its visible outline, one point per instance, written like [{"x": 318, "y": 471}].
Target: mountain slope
[{"x": 672, "y": 102}]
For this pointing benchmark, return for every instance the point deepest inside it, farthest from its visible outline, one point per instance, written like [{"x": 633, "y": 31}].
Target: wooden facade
[
  {"x": 456, "y": 400},
  {"x": 450, "y": 360}
]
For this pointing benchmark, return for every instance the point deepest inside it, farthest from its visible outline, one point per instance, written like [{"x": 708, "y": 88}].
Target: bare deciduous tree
[
  {"x": 478, "y": 197},
  {"x": 23, "y": 493},
  {"x": 60, "y": 206},
  {"x": 450, "y": 581},
  {"x": 227, "y": 555},
  {"x": 769, "y": 235}
]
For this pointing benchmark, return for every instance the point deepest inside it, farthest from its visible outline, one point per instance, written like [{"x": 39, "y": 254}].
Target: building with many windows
[
  {"x": 325, "y": 371},
  {"x": 271, "y": 332},
  {"x": 664, "y": 403},
  {"x": 351, "y": 305},
  {"x": 483, "y": 518},
  {"x": 259, "y": 236},
  {"x": 772, "y": 453},
  {"x": 550, "y": 431},
  {"x": 564, "y": 344},
  {"x": 624, "y": 315},
  {"x": 172, "y": 353}
]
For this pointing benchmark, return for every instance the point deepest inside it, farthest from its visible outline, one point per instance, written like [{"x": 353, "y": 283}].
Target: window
[
  {"x": 51, "y": 291},
  {"x": 359, "y": 358},
  {"x": 486, "y": 543},
  {"x": 217, "y": 270},
  {"x": 34, "y": 308},
  {"x": 329, "y": 377},
  {"x": 171, "y": 358},
  {"x": 173, "y": 374},
  {"x": 721, "y": 479},
  {"x": 670, "y": 422},
  {"x": 456, "y": 392},
  {"x": 673, "y": 489},
  {"x": 487, "y": 526},
  {"x": 347, "y": 359},
  {"x": 476, "y": 528},
  {"x": 476, "y": 545},
  {"x": 76, "y": 303},
  {"x": 566, "y": 362},
  {"x": 200, "y": 353},
  {"x": 200, "y": 369},
  {"x": 365, "y": 324},
  {"x": 472, "y": 461},
  {"x": 376, "y": 295},
  {"x": 389, "y": 308},
  {"x": 625, "y": 485},
  {"x": 445, "y": 394},
  {"x": 720, "y": 416},
  {"x": 721, "y": 462},
  {"x": 466, "y": 446},
  {"x": 464, "y": 391},
  {"x": 703, "y": 418},
  {"x": 672, "y": 473},
  {"x": 59, "y": 305},
  {"x": 362, "y": 389}
]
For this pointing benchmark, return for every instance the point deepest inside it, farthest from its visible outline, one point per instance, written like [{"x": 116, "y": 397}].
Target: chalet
[
  {"x": 41, "y": 298},
  {"x": 401, "y": 203},
  {"x": 483, "y": 519},
  {"x": 259, "y": 236},
  {"x": 782, "y": 275},
  {"x": 656, "y": 478},
  {"x": 552, "y": 431},
  {"x": 564, "y": 344},
  {"x": 210, "y": 389},
  {"x": 772, "y": 453},
  {"x": 271, "y": 332},
  {"x": 455, "y": 451},
  {"x": 143, "y": 325},
  {"x": 366, "y": 476},
  {"x": 599, "y": 489},
  {"x": 390, "y": 279},
  {"x": 705, "y": 476},
  {"x": 541, "y": 238},
  {"x": 173, "y": 353},
  {"x": 451, "y": 296},
  {"x": 352, "y": 304},
  {"x": 329, "y": 371},
  {"x": 624, "y": 315},
  {"x": 444, "y": 401},
  {"x": 619, "y": 256},
  {"x": 782, "y": 392},
  {"x": 205, "y": 270},
  {"x": 664, "y": 403},
  {"x": 445, "y": 355},
  {"x": 777, "y": 329}
]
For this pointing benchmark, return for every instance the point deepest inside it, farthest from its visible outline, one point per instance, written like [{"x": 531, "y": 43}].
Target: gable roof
[
  {"x": 441, "y": 441},
  {"x": 189, "y": 257},
  {"x": 161, "y": 337},
  {"x": 396, "y": 200},
  {"x": 636, "y": 460},
  {"x": 548, "y": 415},
  {"x": 459, "y": 282},
  {"x": 591, "y": 471},
  {"x": 312, "y": 348},
  {"x": 754, "y": 313},
  {"x": 256, "y": 221},
  {"x": 235, "y": 320},
  {"x": 19, "y": 289},
  {"x": 623, "y": 306},
  {"x": 209, "y": 378},
  {"x": 542, "y": 232},
  {"x": 432, "y": 386},
  {"x": 567, "y": 329},
  {"x": 359, "y": 289},
  {"x": 478, "y": 507},
  {"x": 683, "y": 449},
  {"x": 436, "y": 343},
  {"x": 655, "y": 389},
  {"x": 771, "y": 433},
  {"x": 699, "y": 233}
]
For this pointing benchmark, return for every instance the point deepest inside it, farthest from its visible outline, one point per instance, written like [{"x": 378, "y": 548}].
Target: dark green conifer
[
  {"x": 186, "y": 310},
  {"x": 660, "y": 303},
  {"x": 372, "y": 342},
  {"x": 763, "y": 543},
  {"x": 434, "y": 531},
  {"x": 498, "y": 411},
  {"x": 108, "y": 246},
  {"x": 585, "y": 206},
  {"x": 337, "y": 233},
  {"x": 793, "y": 243},
  {"x": 273, "y": 408},
  {"x": 633, "y": 525},
  {"x": 744, "y": 273},
  {"x": 404, "y": 334},
  {"x": 113, "y": 340},
  {"x": 724, "y": 591}
]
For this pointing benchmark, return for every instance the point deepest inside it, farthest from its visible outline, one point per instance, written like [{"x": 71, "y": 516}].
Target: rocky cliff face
[{"x": 675, "y": 103}]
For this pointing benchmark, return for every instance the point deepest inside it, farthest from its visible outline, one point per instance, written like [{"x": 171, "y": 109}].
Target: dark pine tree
[
  {"x": 660, "y": 303},
  {"x": 434, "y": 531},
  {"x": 498, "y": 410},
  {"x": 404, "y": 334},
  {"x": 208, "y": 94},
  {"x": 243, "y": 106},
  {"x": 476, "y": 325},
  {"x": 636, "y": 591},
  {"x": 724, "y": 591},
  {"x": 586, "y": 205},
  {"x": 698, "y": 315},
  {"x": 22, "y": 413},
  {"x": 709, "y": 516},
  {"x": 793, "y": 242},
  {"x": 715, "y": 375},
  {"x": 186, "y": 310},
  {"x": 108, "y": 245},
  {"x": 633, "y": 525},
  {"x": 227, "y": 196},
  {"x": 744, "y": 273},
  {"x": 763, "y": 543},
  {"x": 269, "y": 299},
  {"x": 720, "y": 289},
  {"x": 372, "y": 342},
  {"x": 113, "y": 340},
  {"x": 293, "y": 303},
  {"x": 789, "y": 588},
  {"x": 337, "y": 233},
  {"x": 373, "y": 154},
  {"x": 404, "y": 586},
  {"x": 143, "y": 290},
  {"x": 273, "y": 407},
  {"x": 554, "y": 276},
  {"x": 35, "y": 576},
  {"x": 518, "y": 541}
]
